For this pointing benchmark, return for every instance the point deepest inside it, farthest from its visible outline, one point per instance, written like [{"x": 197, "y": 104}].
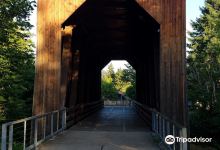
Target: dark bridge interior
[{"x": 112, "y": 29}]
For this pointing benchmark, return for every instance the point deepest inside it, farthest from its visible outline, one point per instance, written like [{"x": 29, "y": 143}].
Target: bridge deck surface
[{"x": 112, "y": 128}]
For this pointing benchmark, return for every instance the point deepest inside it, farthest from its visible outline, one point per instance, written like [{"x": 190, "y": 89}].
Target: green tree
[
  {"x": 129, "y": 75},
  {"x": 16, "y": 59},
  {"x": 110, "y": 72},
  {"x": 108, "y": 89},
  {"x": 203, "y": 72},
  {"x": 120, "y": 84},
  {"x": 123, "y": 80}
]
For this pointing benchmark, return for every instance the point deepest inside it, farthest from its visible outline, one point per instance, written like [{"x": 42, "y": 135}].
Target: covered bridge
[{"x": 77, "y": 38}]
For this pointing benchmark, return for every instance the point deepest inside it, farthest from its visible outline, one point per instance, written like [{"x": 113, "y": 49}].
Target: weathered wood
[
  {"x": 51, "y": 14},
  {"x": 66, "y": 63},
  {"x": 171, "y": 16}
]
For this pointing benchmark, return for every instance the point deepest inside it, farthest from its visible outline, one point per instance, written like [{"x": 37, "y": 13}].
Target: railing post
[
  {"x": 58, "y": 113},
  {"x": 44, "y": 126},
  {"x": 64, "y": 119},
  {"x": 51, "y": 124},
  {"x": 35, "y": 131},
  {"x": 153, "y": 122},
  {"x": 157, "y": 125},
  {"x": 4, "y": 137},
  {"x": 24, "y": 143},
  {"x": 163, "y": 128},
  {"x": 167, "y": 131},
  {"x": 7, "y": 135},
  {"x": 183, "y": 133},
  {"x": 174, "y": 134},
  {"x": 10, "y": 144},
  {"x": 168, "y": 128},
  {"x": 160, "y": 126}
]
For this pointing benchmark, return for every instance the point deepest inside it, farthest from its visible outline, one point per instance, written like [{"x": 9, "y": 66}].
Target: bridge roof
[{"x": 91, "y": 11}]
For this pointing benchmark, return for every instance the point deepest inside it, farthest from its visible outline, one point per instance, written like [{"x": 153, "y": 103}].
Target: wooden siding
[
  {"x": 51, "y": 14},
  {"x": 171, "y": 16}
]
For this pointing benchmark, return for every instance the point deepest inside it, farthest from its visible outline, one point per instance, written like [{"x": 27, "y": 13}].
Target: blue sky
[{"x": 192, "y": 12}]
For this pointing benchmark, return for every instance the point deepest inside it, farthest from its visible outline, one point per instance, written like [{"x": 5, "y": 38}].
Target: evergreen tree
[
  {"x": 16, "y": 59},
  {"x": 129, "y": 75},
  {"x": 120, "y": 84},
  {"x": 111, "y": 72},
  {"x": 203, "y": 72}
]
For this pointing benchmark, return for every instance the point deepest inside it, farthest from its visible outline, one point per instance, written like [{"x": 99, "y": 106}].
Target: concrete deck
[{"x": 112, "y": 128}]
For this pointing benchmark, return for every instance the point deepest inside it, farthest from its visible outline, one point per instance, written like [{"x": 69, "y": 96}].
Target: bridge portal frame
[{"x": 49, "y": 89}]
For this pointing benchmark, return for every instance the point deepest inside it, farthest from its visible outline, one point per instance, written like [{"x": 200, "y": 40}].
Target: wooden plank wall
[
  {"x": 51, "y": 14},
  {"x": 170, "y": 14},
  {"x": 66, "y": 63}
]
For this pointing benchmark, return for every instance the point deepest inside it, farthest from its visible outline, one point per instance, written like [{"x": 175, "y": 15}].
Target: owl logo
[{"x": 169, "y": 139}]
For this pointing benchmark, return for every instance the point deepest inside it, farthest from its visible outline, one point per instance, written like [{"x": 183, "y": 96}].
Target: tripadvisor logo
[{"x": 170, "y": 139}]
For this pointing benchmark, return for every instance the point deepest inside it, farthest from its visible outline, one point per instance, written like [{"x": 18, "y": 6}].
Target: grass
[{"x": 16, "y": 146}]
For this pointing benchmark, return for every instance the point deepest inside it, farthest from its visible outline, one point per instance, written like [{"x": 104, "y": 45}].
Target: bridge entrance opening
[
  {"x": 112, "y": 30},
  {"x": 118, "y": 83}
]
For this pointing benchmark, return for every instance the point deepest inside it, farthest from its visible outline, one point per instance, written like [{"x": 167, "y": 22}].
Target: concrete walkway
[{"x": 112, "y": 128}]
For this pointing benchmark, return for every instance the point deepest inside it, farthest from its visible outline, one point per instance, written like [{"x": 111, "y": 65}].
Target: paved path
[{"x": 112, "y": 128}]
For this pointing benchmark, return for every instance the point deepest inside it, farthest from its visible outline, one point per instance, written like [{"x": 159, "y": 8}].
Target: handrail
[
  {"x": 33, "y": 130},
  {"x": 52, "y": 123},
  {"x": 82, "y": 105},
  {"x": 164, "y": 126},
  {"x": 154, "y": 110},
  {"x": 31, "y": 118}
]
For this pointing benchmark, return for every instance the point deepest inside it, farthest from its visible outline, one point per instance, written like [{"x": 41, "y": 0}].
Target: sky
[{"x": 192, "y": 12}]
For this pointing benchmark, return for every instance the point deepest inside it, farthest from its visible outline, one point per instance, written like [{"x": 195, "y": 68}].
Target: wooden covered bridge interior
[
  {"x": 105, "y": 31},
  {"x": 77, "y": 38}
]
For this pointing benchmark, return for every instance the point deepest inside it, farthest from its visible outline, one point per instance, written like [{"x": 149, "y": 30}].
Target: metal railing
[
  {"x": 117, "y": 103},
  {"x": 28, "y": 133},
  {"x": 164, "y": 126}
]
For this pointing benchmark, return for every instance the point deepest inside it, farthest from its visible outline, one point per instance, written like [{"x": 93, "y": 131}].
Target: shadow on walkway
[{"x": 112, "y": 128}]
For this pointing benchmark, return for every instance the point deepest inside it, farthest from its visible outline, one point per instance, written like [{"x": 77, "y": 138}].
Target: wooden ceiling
[{"x": 112, "y": 27}]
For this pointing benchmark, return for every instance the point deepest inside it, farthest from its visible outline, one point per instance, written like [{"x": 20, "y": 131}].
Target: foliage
[
  {"x": 129, "y": 75},
  {"x": 203, "y": 72},
  {"x": 16, "y": 59},
  {"x": 131, "y": 92},
  {"x": 122, "y": 81},
  {"x": 108, "y": 89},
  {"x": 110, "y": 72},
  {"x": 120, "y": 84}
]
